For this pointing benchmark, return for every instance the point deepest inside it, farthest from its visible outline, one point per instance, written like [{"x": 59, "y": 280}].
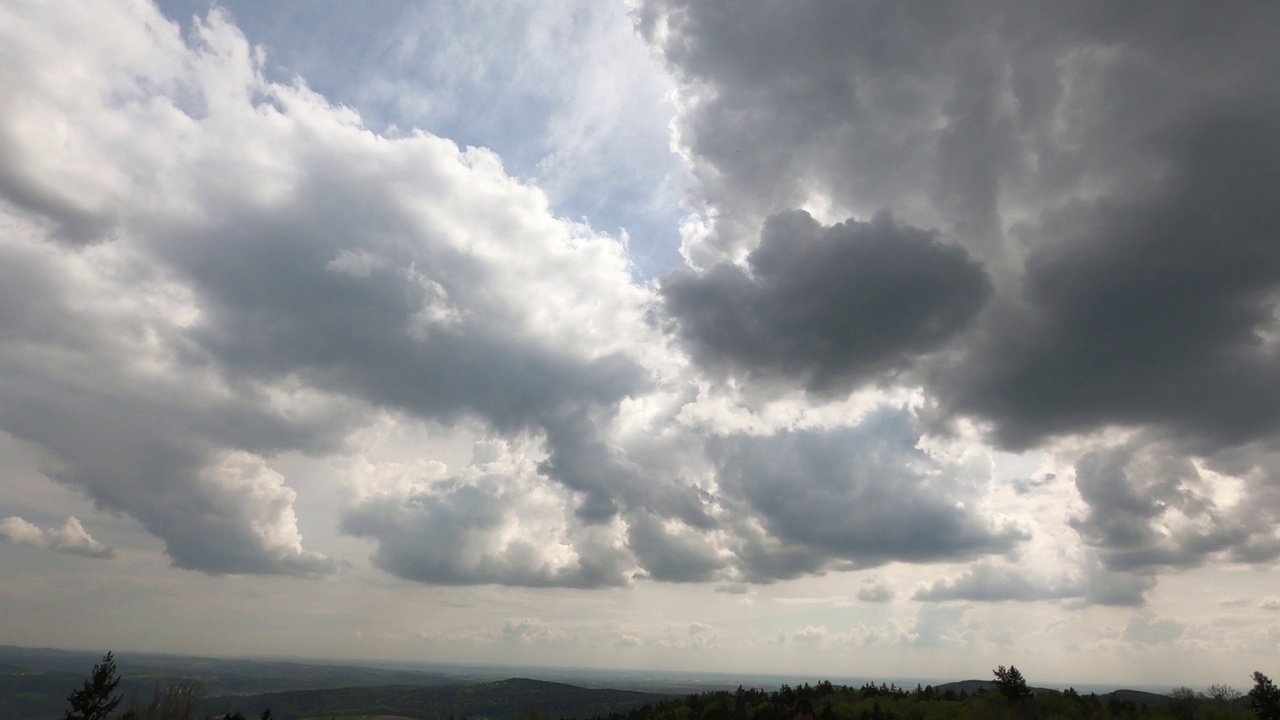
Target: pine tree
[
  {"x": 1264, "y": 698},
  {"x": 1011, "y": 684},
  {"x": 97, "y": 699}
]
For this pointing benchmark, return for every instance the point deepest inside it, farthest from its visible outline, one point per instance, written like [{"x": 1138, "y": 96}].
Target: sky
[{"x": 871, "y": 339}]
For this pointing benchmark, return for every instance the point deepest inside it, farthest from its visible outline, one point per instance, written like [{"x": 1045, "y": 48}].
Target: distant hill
[
  {"x": 48, "y": 658},
  {"x": 500, "y": 700},
  {"x": 973, "y": 687},
  {"x": 1138, "y": 697},
  {"x": 970, "y": 687}
]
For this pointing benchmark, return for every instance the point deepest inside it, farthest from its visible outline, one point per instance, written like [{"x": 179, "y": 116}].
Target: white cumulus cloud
[{"x": 71, "y": 538}]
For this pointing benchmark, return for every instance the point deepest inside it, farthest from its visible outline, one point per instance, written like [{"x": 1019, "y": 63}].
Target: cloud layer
[
  {"x": 919, "y": 244},
  {"x": 851, "y": 498}
]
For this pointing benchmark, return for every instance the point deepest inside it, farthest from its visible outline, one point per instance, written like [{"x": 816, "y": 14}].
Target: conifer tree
[
  {"x": 97, "y": 699},
  {"x": 1011, "y": 684},
  {"x": 1264, "y": 698}
]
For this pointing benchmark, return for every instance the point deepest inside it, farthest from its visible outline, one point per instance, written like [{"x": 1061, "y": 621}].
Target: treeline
[
  {"x": 99, "y": 699},
  {"x": 1009, "y": 699}
]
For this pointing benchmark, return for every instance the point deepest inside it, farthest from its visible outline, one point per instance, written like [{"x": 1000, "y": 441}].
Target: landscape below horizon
[{"x": 35, "y": 683}]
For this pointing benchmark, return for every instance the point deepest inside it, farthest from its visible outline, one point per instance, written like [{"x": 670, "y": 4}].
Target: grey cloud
[
  {"x": 855, "y": 497},
  {"x": 794, "y": 98},
  {"x": 1151, "y": 309},
  {"x": 935, "y": 625},
  {"x": 1257, "y": 511},
  {"x": 826, "y": 307},
  {"x": 275, "y": 307},
  {"x": 1112, "y": 167},
  {"x": 71, "y": 538},
  {"x": 606, "y": 476},
  {"x": 1103, "y": 587},
  {"x": 528, "y": 630},
  {"x": 764, "y": 557},
  {"x": 875, "y": 592},
  {"x": 70, "y": 221},
  {"x": 989, "y": 583},
  {"x": 895, "y": 105},
  {"x": 1148, "y": 629},
  {"x": 464, "y": 534},
  {"x": 810, "y": 634},
  {"x": 1150, "y": 508},
  {"x": 668, "y": 556},
  {"x": 148, "y": 444},
  {"x": 1120, "y": 514},
  {"x": 1022, "y": 486},
  {"x": 986, "y": 582}
]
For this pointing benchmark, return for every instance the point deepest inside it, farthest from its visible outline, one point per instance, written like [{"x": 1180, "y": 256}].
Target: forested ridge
[{"x": 1009, "y": 699}]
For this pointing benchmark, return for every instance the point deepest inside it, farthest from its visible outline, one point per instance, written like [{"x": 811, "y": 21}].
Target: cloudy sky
[{"x": 815, "y": 338}]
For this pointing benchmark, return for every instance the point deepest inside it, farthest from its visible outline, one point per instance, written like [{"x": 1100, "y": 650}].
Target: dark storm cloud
[
  {"x": 1152, "y": 310},
  {"x": 880, "y": 104},
  {"x": 826, "y": 307},
  {"x": 856, "y": 497},
  {"x": 1113, "y": 167}
]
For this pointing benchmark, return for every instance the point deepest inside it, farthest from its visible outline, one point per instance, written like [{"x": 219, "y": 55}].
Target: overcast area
[{"x": 874, "y": 339}]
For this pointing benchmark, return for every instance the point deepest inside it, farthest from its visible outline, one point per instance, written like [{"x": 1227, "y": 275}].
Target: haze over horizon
[
  {"x": 675, "y": 681},
  {"x": 870, "y": 339}
]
